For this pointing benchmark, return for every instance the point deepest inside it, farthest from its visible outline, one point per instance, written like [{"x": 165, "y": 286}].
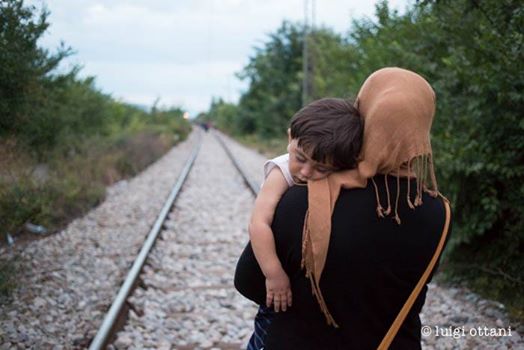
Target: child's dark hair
[{"x": 330, "y": 130}]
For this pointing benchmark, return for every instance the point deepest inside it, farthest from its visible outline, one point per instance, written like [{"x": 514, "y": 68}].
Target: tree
[
  {"x": 275, "y": 81},
  {"x": 224, "y": 116},
  {"x": 24, "y": 67},
  {"x": 479, "y": 81}
]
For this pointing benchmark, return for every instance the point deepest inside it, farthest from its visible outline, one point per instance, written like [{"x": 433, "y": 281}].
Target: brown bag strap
[{"x": 390, "y": 335}]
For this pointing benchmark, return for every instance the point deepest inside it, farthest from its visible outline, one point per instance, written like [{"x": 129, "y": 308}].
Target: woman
[{"x": 365, "y": 237}]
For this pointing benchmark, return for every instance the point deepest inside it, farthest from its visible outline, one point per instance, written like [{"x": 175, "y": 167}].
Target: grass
[
  {"x": 268, "y": 147},
  {"x": 70, "y": 182}
]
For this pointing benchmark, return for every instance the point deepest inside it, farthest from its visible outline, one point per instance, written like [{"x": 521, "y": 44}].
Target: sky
[{"x": 180, "y": 52}]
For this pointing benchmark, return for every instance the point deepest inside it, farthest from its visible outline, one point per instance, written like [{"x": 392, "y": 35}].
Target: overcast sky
[{"x": 183, "y": 52}]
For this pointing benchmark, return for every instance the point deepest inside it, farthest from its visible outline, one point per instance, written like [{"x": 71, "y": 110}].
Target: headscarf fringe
[
  {"x": 397, "y": 218},
  {"x": 388, "y": 210},
  {"x": 380, "y": 210},
  {"x": 422, "y": 168},
  {"x": 315, "y": 288},
  {"x": 308, "y": 264},
  {"x": 305, "y": 241},
  {"x": 411, "y": 206},
  {"x": 435, "y": 191}
]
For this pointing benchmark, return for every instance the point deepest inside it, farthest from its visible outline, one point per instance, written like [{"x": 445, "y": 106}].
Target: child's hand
[{"x": 278, "y": 291}]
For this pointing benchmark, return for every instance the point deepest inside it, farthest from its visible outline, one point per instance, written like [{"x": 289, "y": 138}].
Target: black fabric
[
  {"x": 372, "y": 266},
  {"x": 263, "y": 319}
]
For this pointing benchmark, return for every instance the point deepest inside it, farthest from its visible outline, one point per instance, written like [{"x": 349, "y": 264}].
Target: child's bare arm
[
  {"x": 260, "y": 233},
  {"x": 263, "y": 242}
]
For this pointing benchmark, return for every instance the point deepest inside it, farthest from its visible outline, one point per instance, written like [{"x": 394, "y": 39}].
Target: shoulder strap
[{"x": 390, "y": 335}]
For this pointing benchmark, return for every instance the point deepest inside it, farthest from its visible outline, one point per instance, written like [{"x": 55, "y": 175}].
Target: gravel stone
[
  {"x": 69, "y": 280},
  {"x": 189, "y": 275}
]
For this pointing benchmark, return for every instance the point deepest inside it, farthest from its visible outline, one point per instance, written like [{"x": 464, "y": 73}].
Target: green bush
[
  {"x": 24, "y": 67},
  {"x": 75, "y": 180}
]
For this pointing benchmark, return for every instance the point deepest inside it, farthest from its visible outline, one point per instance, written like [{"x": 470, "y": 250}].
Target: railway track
[
  {"x": 184, "y": 297},
  {"x": 179, "y": 293}
]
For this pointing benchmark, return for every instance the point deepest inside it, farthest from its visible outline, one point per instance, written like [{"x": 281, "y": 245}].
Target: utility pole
[{"x": 307, "y": 57}]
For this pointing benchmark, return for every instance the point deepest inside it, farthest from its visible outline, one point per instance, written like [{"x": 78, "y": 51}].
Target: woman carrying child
[
  {"x": 324, "y": 136},
  {"x": 369, "y": 238}
]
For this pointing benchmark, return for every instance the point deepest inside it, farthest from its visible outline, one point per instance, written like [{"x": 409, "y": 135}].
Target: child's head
[{"x": 324, "y": 136}]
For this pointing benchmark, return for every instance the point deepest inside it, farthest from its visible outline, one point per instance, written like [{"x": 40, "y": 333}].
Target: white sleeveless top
[{"x": 282, "y": 162}]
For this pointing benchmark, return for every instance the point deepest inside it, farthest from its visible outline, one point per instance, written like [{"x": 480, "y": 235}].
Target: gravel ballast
[{"x": 68, "y": 280}]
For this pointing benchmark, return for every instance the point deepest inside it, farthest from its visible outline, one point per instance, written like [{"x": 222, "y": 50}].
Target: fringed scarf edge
[{"x": 423, "y": 169}]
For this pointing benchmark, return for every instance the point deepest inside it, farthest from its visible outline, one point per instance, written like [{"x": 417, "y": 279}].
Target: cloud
[
  {"x": 184, "y": 51},
  {"x": 173, "y": 83}
]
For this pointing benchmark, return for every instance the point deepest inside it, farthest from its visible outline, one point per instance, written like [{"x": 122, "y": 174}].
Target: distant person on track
[
  {"x": 368, "y": 238},
  {"x": 324, "y": 137},
  {"x": 204, "y": 126}
]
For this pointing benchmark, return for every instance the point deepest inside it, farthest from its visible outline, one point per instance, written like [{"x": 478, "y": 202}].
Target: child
[{"x": 324, "y": 136}]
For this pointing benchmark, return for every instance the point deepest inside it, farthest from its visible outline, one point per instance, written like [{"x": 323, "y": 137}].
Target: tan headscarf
[{"x": 398, "y": 108}]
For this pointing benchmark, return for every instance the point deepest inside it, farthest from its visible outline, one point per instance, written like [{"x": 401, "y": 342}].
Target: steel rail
[
  {"x": 253, "y": 187},
  {"x": 105, "y": 329}
]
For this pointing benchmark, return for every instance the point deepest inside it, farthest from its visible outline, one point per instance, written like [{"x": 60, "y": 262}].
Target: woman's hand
[{"x": 278, "y": 291}]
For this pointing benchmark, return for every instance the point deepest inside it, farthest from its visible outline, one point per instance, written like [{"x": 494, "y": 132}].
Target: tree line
[
  {"x": 62, "y": 140},
  {"x": 472, "y": 53}
]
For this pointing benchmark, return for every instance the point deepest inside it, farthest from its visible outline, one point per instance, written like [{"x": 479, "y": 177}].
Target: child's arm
[{"x": 278, "y": 290}]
